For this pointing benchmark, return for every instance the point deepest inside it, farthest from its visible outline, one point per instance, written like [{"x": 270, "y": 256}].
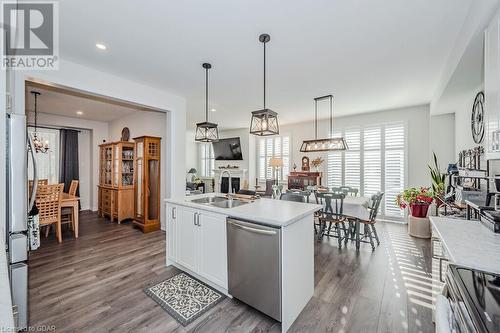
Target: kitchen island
[{"x": 200, "y": 227}]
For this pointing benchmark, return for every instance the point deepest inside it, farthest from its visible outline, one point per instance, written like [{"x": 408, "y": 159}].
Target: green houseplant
[
  {"x": 417, "y": 199},
  {"x": 438, "y": 180}
]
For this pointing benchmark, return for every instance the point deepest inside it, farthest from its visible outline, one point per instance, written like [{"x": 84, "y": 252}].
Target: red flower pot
[{"x": 419, "y": 210}]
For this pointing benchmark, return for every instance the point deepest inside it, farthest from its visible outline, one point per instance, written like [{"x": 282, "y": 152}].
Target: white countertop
[
  {"x": 469, "y": 243},
  {"x": 278, "y": 213},
  {"x": 6, "y": 319}
]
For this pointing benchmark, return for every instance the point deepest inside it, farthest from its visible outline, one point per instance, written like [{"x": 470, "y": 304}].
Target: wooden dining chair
[
  {"x": 67, "y": 212},
  {"x": 306, "y": 194},
  {"x": 291, "y": 196},
  {"x": 332, "y": 214},
  {"x": 369, "y": 225},
  {"x": 369, "y": 231},
  {"x": 48, "y": 202},
  {"x": 40, "y": 182},
  {"x": 349, "y": 191}
]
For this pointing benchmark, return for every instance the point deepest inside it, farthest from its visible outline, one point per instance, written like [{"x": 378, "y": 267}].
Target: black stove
[{"x": 475, "y": 299}]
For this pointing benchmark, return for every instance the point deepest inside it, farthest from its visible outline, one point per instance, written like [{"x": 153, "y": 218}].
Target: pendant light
[
  {"x": 39, "y": 145},
  {"x": 206, "y": 131},
  {"x": 264, "y": 122},
  {"x": 329, "y": 144}
]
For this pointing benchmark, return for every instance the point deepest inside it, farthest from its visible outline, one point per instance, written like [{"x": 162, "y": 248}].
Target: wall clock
[{"x": 477, "y": 118}]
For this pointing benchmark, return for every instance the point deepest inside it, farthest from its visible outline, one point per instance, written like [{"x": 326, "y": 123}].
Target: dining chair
[
  {"x": 67, "y": 212},
  {"x": 269, "y": 188},
  {"x": 291, "y": 196},
  {"x": 40, "y": 182},
  {"x": 277, "y": 190},
  {"x": 350, "y": 191},
  {"x": 332, "y": 214},
  {"x": 369, "y": 230},
  {"x": 48, "y": 202},
  {"x": 306, "y": 194}
]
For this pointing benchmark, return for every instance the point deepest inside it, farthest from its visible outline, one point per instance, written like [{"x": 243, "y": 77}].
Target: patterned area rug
[{"x": 184, "y": 297}]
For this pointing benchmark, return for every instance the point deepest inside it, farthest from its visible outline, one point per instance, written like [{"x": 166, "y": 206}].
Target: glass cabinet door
[{"x": 139, "y": 175}]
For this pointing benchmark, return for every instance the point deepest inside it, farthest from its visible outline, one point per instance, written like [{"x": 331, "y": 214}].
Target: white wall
[
  {"x": 88, "y": 147},
  {"x": 87, "y": 79},
  {"x": 442, "y": 137},
  {"x": 192, "y": 157},
  {"x": 145, "y": 123}
]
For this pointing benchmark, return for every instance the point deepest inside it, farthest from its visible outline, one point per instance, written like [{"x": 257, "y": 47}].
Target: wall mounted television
[{"x": 227, "y": 149}]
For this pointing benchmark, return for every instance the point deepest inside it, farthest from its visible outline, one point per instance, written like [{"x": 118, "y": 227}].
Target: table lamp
[{"x": 275, "y": 163}]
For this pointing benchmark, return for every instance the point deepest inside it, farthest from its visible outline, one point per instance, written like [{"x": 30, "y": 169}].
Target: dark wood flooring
[{"x": 95, "y": 284}]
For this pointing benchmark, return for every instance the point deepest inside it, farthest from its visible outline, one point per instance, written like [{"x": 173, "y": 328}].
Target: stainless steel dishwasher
[{"x": 254, "y": 265}]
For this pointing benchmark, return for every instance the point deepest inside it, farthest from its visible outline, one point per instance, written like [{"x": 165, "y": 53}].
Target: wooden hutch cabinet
[
  {"x": 302, "y": 179},
  {"x": 116, "y": 180},
  {"x": 147, "y": 180}
]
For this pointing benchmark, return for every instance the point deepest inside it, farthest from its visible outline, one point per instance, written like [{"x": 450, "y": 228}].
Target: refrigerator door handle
[{"x": 35, "y": 175}]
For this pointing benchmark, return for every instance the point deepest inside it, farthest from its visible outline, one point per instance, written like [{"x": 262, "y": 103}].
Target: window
[
  {"x": 207, "y": 160},
  {"x": 276, "y": 146},
  {"x": 47, "y": 163},
  {"x": 375, "y": 161}
]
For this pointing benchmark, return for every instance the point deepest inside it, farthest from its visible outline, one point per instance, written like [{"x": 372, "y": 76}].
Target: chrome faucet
[{"x": 230, "y": 188}]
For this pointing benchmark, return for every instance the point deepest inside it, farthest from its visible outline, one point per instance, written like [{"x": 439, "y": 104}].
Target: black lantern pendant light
[
  {"x": 330, "y": 144},
  {"x": 39, "y": 145},
  {"x": 264, "y": 122},
  {"x": 206, "y": 131}
]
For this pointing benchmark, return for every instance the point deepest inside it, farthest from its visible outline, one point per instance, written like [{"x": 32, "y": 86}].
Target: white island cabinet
[{"x": 197, "y": 239}]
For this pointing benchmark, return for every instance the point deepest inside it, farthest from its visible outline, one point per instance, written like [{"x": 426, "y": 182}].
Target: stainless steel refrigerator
[{"x": 18, "y": 207}]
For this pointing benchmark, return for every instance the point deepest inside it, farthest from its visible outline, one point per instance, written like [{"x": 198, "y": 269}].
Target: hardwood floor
[{"x": 95, "y": 284}]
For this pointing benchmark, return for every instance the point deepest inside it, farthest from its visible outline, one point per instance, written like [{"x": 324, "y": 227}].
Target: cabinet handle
[
  {"x": 433, "y": 241},
  {"x": 173, "y": 212},
  {"x": 194, "y": 218},
  {"x": 198, "y": 219}
]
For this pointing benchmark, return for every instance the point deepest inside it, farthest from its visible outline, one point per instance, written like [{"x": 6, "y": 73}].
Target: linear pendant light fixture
[
  {"x": 330, "y": 144},
  {"x": 265, "y": 121},
  {"x": 206, "y": 131}
]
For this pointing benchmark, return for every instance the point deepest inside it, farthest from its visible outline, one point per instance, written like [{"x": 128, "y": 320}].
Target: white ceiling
[
  {"x": 370, "y": 54},
  {"x": 65, "y": 104}
]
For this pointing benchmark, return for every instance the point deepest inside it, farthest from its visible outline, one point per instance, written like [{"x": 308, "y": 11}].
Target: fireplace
[{"x": 235, "y": 184}]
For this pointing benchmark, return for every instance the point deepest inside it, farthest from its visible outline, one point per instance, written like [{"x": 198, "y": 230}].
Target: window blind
[
  {"x": 273, "y": 147},
  {"x": 207, "y": 159},
  {"x": 394, "y": 167},
  {"x": 375, "y": 161}
]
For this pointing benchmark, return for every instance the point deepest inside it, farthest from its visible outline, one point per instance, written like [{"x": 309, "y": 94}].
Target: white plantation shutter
[
  {"x": 372, "y": 160},
  {"x": 375, "y": 161},
  {"x": 273, "y": 147},
  {"x": 353, "y": 158},
  {"x": 334, "y": 166},
  {"x": 207, "y": 160},
  {"x": 394, "y": 167}
]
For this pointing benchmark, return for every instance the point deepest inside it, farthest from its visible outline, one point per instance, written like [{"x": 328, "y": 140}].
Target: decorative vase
[{"x": 419, "y": 210}]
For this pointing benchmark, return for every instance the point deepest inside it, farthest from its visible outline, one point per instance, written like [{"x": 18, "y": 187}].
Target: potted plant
[
  {"x": 438, "y": 181},
  {"x": 417, "y": 199}
]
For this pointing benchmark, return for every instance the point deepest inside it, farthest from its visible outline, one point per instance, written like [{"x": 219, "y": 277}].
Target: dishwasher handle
[{"x": 254, "y": 230}]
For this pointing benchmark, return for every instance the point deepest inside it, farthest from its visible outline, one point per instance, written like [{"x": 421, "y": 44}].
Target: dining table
[
  {"x": 356, "y": 208},
  {"x": 71, "y": 201}
]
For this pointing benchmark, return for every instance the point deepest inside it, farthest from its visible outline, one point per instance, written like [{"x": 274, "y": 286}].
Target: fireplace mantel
[{"x": 242, "y": 174}]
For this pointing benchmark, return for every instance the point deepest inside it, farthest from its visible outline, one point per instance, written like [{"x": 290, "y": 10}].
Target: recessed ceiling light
[
  {"x": 79, "y": 113},
  {"x": 100, "y": 46},
  {"x": 213, "y": 110}
]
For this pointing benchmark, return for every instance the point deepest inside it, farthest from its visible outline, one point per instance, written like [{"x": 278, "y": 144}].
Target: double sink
[{"x": 220, "y": 202}]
